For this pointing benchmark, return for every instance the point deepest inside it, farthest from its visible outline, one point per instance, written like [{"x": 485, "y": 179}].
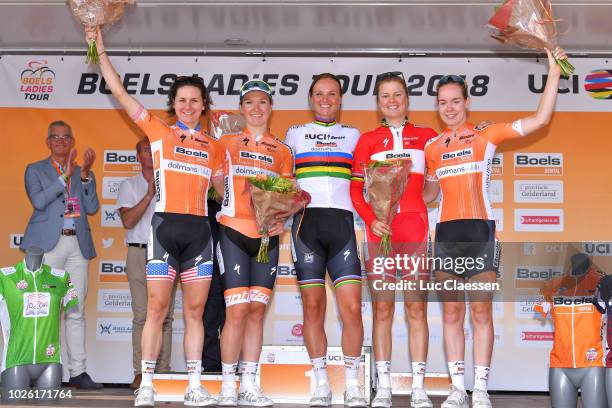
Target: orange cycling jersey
[
  {"x": 461, "y": 161},
  {"x": 577, "y": 340},
  {"x": 183, "y": 162},
  {"x": 246, "y": 156}
]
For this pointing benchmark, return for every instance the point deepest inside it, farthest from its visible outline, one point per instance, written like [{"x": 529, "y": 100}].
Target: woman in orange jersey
[
  {"x": 396, "y": 139},
  {"x": 459, "y": 162},
  {"x": 180, "y": 241},
  {"x": 247, "y": 283}
]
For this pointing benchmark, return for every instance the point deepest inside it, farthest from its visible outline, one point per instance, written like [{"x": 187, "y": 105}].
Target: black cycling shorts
[
  {"x": 466, "y": 247},
  {"x": 179, "y": 243},
  {"x": 244, "y": 279},
  {"x": 324, "y": 239}
]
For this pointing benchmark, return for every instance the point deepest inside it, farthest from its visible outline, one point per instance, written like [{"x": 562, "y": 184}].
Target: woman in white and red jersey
[
  {"x": 180, "y": 241},
  {"x": 458, "y": 162},
  {"x": 247, "y": 284},
  {"x": 396, "y": 139}
]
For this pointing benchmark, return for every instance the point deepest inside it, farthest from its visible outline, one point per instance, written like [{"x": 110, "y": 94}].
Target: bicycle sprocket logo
[{"x": 37, "y": 81}]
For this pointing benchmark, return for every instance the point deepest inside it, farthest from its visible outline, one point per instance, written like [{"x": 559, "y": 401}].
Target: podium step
[{"x": 284, "y": 376}]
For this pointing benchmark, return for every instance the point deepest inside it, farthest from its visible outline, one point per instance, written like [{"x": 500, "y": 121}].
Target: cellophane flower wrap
[
  {"x": 225, "y": 123},
  {"x": 93, "y": 13},
  {"x": 385, "y": 183},
  {"x": 272, "y": 196},
  {"x": 527, "y": 24}
]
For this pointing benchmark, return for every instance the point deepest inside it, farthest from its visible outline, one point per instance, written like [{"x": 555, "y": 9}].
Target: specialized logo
[
  {"x": 385, "y": 142},
  {"x": 272, "y": 270},
  {"x": 256, "y": 156},
  {"x": 237, "y": 269},
  {"x": 458, "y": 154},
  {"x": 36, "y": 304},
  {"x": 598, "y": 84},
  {"x": 121, "y": 161},
  {"x": 346, "y": 254},
  {"x": 190, "y": 152},
  {"x": 538, "y": 164},
  {"x": 37, "y": 81}
]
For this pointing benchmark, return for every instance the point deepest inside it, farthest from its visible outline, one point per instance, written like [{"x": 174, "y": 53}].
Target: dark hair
[
  {"x": 453, "y": 79},
  {"x": 182, "y": 81},
  {"x": 319, "y": 77},
  {"x": 394, "y": 76},
  {"x": 58, "y": 123}
]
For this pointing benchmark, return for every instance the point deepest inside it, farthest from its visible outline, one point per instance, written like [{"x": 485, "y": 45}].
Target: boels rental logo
[{"x": 36, "y": 83}]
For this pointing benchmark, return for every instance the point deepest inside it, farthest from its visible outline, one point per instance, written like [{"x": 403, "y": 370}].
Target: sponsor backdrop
[{"x": 549, "y": 187}]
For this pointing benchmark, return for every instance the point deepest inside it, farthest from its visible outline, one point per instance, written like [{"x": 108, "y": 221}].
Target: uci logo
[{"x": 105, "y": 328}]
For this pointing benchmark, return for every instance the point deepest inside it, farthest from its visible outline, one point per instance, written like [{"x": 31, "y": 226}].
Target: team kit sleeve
[
  {"x": 287, "y": 166},
  {"x": 290, "y": 141},
  {"x": 430, "y": 164},
  {"x": 151, "y": 125},
  {"x": 499, "y": 132},
  {"x": 361, "y": 158}
]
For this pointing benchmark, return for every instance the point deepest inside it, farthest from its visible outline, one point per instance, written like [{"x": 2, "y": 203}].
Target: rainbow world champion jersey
[{"x": 323, "y": 161}]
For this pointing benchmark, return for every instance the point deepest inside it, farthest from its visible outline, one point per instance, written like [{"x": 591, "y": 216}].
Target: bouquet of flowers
[
  {"x": 527, "y": 24},
  {"x": 385, "y": 183},
  {"x": 93, "y": 13},
  {"x": 272, "y": 196},
  {"x": 225, "y": 123}
]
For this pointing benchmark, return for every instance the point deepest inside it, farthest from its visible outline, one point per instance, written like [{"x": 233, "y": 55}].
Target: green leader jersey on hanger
[{"x": 30, "y": 306}]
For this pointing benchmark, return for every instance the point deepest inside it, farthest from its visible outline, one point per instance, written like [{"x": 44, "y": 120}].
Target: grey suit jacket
[{"x": 46, "y": 193}]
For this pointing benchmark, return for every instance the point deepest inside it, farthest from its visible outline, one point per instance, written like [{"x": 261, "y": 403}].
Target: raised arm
[
  {"x": 542, "y": 115},
  {"x": 113, "y": 80}
]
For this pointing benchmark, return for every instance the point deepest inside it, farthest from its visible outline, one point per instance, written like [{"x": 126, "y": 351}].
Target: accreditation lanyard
[{"x": 72, "y": 208}]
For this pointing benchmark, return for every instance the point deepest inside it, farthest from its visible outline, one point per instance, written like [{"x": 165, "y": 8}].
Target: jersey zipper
[
  {"x": 35, "y": 321},
  {"x": 398, "y": 146}
]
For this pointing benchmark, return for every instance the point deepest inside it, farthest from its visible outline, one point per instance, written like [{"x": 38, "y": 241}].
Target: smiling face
[
  {"x": 256, "y": 108},
  {"x": 326, "y": 98},
  {"x": 392, "y": 101},
  {"x": 60, "y": 141},
  {"x": 452, "y": 105},
  {"x": 188, "y": 105}
]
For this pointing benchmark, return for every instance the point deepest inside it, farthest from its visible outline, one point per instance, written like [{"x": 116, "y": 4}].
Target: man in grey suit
[{"x": 63, "y": 195}]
